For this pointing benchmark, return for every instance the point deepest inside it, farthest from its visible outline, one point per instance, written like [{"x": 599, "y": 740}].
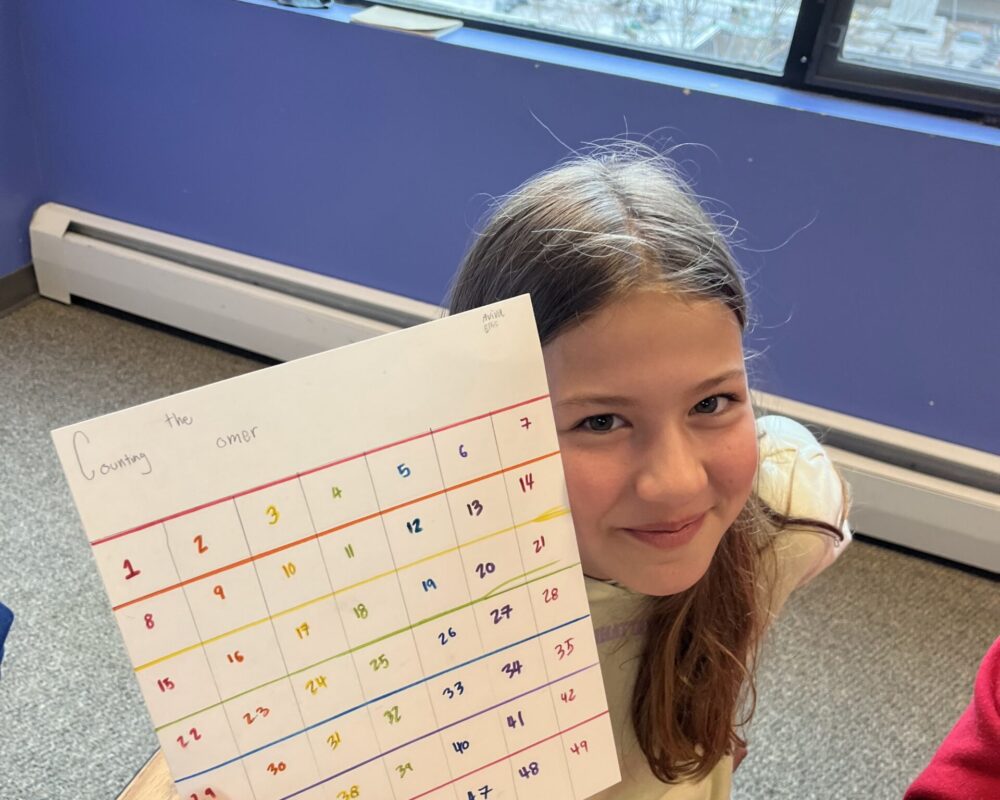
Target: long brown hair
[{"x": 577, "y": 237}]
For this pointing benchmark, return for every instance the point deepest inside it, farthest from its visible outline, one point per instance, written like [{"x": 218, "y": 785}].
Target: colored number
[
  {"x": 539, "y": 544},
  {"x": 511, "y": 668},
  {"x": 564, "y": 649},
  {"x": 529, "y": 770},
  {"x": 251, "y": 718},
  {"x": 219, "y": 592},
  {"x": 581, "y": 745},
  {"x": 149, "y": 621},
  {"x": 392, "y": 716},
  {"x": 462, "y": 451},
  {"x": 379, "y": 663},
  {"x": 315, "y": 684},
  {"x": 360, "y": 611},
  {"x": 475, "y": 508},
  {"x": 525, "y": 423},
  {"x": 513, "y": 722},
  {"x": 208, "y": 793},
  {"x": 404, "y": 470},
  {"x": 336, "y": 492},
  {"x": 568, "y": 697},
  {"x": 193, "y": 733},
  {"x": 428, "y": 584},
  {"x": 333, "y": 740},
  {"x": 455, "y": 689},
  {"x": 550, "y": 595},
  {"x": 303, "y": 630},
  {"x": 486, "y": 569},
  {"x": 527, "y": 482},
  {"x": 274, "y": 769},
  {"x": 349, "y": 550},
  {"x": 349, "y": 794},
  {"x": 484, "y": 792},
  {"x": 131, "y": 571},
  {"x": 272, "y": 512},
  {"x": 501, "y": 613},
  {"x": 444, "y": 636},
  {"x": 414, "y": 526},
  {"x": 165, "y": 684},
  {"x": 200, "y": 542},
  {"x": 288, "y": 569},
  {"x": 402, "y": 769},
  {"x": 236, "y": 657}
]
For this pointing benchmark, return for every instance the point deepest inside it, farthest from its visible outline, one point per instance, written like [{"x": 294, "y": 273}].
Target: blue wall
[
  {"x": 363, "y": 154},
  {"x": 20, "y": 181}
]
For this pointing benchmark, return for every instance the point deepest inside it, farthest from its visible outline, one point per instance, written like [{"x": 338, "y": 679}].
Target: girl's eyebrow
[
  {"x": 597, "y": 400},
  {"x": 621, "y": 401},
  {"x": 704, "y": 386}
]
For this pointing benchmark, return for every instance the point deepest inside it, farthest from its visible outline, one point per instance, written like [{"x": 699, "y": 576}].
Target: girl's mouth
[{"x": 669, "y": 534}]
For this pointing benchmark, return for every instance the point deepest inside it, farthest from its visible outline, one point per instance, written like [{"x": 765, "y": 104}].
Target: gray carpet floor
[{"x": 864, "y": 674}]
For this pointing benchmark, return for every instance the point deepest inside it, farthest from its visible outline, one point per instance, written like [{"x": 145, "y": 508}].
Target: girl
[{"x": 694, "y": 522}]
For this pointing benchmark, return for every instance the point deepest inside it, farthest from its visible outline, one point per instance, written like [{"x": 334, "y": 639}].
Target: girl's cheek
[
  {"x": 586, "y": 482},
  {"x": 741, "y": 461}
]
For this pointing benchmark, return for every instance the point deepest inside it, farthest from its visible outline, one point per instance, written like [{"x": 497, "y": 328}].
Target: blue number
[{"x": 403, "y": 470}]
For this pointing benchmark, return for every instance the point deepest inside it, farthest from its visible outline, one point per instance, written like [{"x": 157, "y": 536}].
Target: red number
[
  {"x": 527, "y": 482},
  {"x": 198, "y": 540},
  {"x": 165, "y": 684},
  {"x": 208, "y": 793},
  {"x": 581, "y": 745},
  {"x": 130, "y": 570},
  {"x": 568, "y": 697},
  {"x": 564, "y": 649},
  {"x": 539, "y": 543},
  {"x": 219, "y": 592},
  {"x": 149, "y": 621},
  {"x": 261, "y": 712},
  {"x": 235, "y": 657},
  {"x": 550, "y": 594}
]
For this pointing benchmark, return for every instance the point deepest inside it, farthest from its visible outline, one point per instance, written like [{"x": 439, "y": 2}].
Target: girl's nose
[{"x": 671, "y": 471}]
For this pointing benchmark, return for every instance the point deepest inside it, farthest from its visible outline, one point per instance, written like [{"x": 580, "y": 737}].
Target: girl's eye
[
  {"x": 715, "y": 404},
  {"x": 601, "y": 423}
]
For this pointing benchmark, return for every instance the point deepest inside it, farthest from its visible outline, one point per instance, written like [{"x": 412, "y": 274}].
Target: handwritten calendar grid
[{"x": 412, "y": 538}]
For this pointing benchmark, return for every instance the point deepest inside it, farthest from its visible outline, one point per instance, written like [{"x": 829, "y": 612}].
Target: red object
[{"x": 967, "y": 764}]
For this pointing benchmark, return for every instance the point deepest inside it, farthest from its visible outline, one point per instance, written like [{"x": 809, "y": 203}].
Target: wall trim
[{"x": 17, "y": 287}]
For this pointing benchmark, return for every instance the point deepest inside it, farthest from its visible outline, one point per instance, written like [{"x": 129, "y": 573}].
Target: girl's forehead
[{"x": 653, "y": 329}]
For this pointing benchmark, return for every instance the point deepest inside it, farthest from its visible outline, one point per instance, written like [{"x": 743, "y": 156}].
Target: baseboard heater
[{"x": 922, "y": 493}]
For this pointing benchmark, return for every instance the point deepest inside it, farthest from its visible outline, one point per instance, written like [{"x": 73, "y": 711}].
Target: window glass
[
  {"x": 952, "y": 40},
  {"x": 752, "y": 34}
]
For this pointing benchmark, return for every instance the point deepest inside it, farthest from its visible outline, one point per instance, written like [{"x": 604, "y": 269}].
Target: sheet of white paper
[
  {"x": 355, "y": 575},
  {"x": 409, "y": 21}
]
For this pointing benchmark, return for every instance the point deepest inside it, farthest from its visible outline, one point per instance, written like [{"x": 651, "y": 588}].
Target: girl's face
[{"x": 657, "y": 436}]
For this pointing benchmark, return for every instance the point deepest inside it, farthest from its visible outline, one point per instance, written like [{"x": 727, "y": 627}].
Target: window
[
  {"x": 942, "y": 54},
  {"x": 752, "y": 34},
  {"x": 943, "y": 51}
]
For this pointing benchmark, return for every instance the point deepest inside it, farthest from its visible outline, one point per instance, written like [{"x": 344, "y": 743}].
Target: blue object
[{"x": 6, "y": 620}]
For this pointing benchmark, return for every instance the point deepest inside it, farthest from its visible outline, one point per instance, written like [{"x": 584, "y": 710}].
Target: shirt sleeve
[
  {"x": 796, "y": 477},
  {"x": 966, "y": 764}
]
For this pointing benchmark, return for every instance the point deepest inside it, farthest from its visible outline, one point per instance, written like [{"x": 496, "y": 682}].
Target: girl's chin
[{"x": 660, "y": 585}]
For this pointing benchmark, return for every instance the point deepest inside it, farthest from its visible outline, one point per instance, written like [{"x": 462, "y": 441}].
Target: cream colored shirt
[{"x": 795, "y": 477}]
